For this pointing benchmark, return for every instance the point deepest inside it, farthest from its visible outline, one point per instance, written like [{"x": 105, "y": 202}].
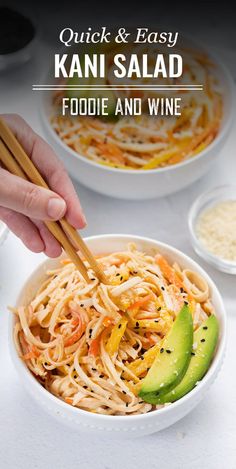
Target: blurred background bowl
[
  {"x": 143, "y": 184},
  {"x": 18, "y": 38}
]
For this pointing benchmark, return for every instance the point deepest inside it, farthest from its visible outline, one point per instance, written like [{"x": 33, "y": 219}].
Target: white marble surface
[{"x": 28, "y": 437}]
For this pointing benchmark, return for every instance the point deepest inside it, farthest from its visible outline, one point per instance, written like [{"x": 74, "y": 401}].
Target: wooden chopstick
[
  {"x": 22, "y": 166},
  {"x": 10, "y": 164}
]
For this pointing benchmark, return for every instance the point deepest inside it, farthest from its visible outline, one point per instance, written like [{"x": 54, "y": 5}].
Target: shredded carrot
[
  {"x": 136, "y": 94},
  {"x": 36, "y": 351},
  {"x": 75, "y": 322},
  {"x": 76, "y": 336},
  {"x": 149, "y": 337},
  {"x": 195, "y": 142},
  {"x": 168, "y": 272},
  {"x": 107, "y": 321},
  {"x": 94, "y": 347},
  {"x": 68, "y": 400},
  {"x": 24, "y": 344},
  {"x": 33, "y": 353},
  {"x": 28, "y": 356},
  {"x": 112, "y": 151},
  {"x": 139, "y": 303},
  {"x": 65, "y": 261}
]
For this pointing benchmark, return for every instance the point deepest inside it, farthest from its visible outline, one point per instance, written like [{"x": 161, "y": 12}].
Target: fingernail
[
  {"x": 84, "y": 221},
  {"x": 56, "y": 208}
]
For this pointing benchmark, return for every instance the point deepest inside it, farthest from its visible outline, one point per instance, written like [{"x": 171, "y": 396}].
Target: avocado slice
[
  {"x": 75, "y": 81},
  {"x": 91, "y": 81},
  {"x": 82, "y": 93},
  {"x": 205, "y": 338},
  {"x": 172, "y": 361},
  {"x": 111, "y": 103}
]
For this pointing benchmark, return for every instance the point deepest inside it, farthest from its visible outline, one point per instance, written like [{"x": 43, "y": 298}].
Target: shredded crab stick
[{"x": 91, "y": 345}]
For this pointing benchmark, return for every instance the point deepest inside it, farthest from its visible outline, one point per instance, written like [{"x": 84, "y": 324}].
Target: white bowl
[
  {"x": 142, "y": 184},
  {"x": 137, "y": 425}
]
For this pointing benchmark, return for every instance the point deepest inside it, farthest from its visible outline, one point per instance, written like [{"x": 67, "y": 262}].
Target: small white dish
[
  {"x": 121, "y": 426},
  {"x": 202, "y": 203}
]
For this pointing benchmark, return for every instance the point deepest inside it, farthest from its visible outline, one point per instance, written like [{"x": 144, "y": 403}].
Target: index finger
[{"x": 49, "y": 166}]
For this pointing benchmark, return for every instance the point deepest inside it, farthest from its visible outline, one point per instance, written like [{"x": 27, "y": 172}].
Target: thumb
[{"x": 31, "y": 200}]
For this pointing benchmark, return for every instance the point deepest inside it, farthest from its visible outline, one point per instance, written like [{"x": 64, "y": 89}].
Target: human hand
[{"x": 24, "y": 206}]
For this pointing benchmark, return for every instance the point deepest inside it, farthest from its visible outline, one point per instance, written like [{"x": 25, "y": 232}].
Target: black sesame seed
[
  {"x": 119, "y": 326},
  {"x": 91, "y": 390},
  {"x": 168, "y": 351},
  {"x": 159, "y": 309},
  {"x": 101, "y": 376},
  {"x": 82, "y": 305},
  {"x": 162, "y": 350},
  {"x": 193, "y": 354},
  {"x": 117, "y": 275},
  {"x": 90, "y": 331},
  {"x": 122, "y": 378},
  {"x": 121, "y": 278},
  {"x": 186, "y": 302},
  {"x": 205, "y": 328},
  {"x": 127, "y": 404},
  {"x": 90, "y": 336},
  {"x": 135, "y": 272},
  {"x": 124, "y": 392},
  {"x": 75, "y": 376},
  {"x": 163, "y": 288},
  {"x": 181, "y": 290},
  {"x": 148, "y": 369},
  {"x": 94, "y": 369},
  {"x": 85, "y": 387},
  {"x": 156, "y": 320},
  {"x": 137, "y": 324},
  {"x": 142, "y": 358},
  {"x": 203, "y": 340},
  {"x": 93, "y": 279}
]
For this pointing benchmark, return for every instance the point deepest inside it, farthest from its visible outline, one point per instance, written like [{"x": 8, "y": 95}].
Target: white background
[{"x": 28, "y": 437}]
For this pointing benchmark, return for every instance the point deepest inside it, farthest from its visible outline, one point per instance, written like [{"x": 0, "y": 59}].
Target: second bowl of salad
[{"x": 145, "y": 156}]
